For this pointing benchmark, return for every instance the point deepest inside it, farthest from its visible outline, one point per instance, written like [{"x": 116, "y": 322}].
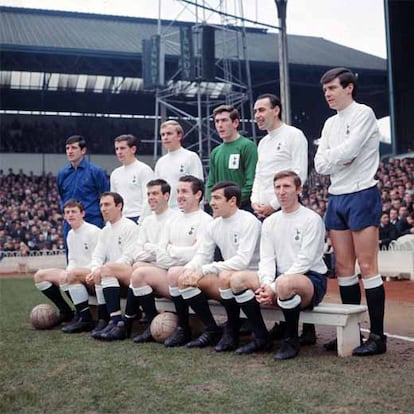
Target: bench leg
[{"x": 348, "y": 336}]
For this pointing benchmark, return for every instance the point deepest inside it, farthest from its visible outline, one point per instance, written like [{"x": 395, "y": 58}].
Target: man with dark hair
[
  {"x": 399, "y": 222},
  {"x": 82, "y": 239},
  {"x": 130, "y": 180},
  {"x": 387, "y": 231},
  {"x": 235, "y": 159},
  {"x": 349, "y": 154},
  {"x": 178, "y": 161},
  {"x": 149, "y": 236},
  {"x": 291, "y": 249},
  {"x": 284, "y": 147},
  {"x": 81, "y": 180},
  {"x": 117, "y": 243},
  {"x": 178, "y": 243},
  {"x": 236, "y": 233}
]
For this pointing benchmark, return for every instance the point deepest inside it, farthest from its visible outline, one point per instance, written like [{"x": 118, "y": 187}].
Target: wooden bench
[{"x": 346, "y": 318}]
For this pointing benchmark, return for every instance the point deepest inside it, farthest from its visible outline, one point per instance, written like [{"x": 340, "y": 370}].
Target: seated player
[
  {"x": 291, "y": 247},
  {"x": 236, "y": 233},
  {"x": 117, "y": 244},
  {"x": 179, "y": 242},
  {"x": 82, "y": 239},
  {"x": 158, "y": 194}
]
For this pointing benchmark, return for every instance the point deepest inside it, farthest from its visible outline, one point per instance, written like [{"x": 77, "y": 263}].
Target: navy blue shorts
[
  {"x": 320, "y": 283},
  {"x": 354, "y": 211}
]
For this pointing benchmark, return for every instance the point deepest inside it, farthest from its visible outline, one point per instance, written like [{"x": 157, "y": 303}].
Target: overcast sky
[{"x": 354, "y": 23}]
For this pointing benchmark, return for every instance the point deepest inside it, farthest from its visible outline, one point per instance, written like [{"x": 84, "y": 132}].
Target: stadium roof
[{"x": 56, "y": 32}]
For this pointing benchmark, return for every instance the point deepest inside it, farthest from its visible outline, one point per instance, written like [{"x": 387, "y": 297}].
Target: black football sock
[
  {"x": 113, "y": 302},
  {"x": 375, "y": 295},
  {"x": 132, "y": 304},
  {"x": 199, "y": 304},
  {"x": 148, "y": 305},
  {"x": 233, "y": 314},
  {"x": 350, "y": 290},
  {"x": 181, "y": 307},
  {"x": 291, "y": 311},
  {"x": 82, "y": 309},
  {"x": 55, "y": 295},
  {"x": 251, "y": 308}
]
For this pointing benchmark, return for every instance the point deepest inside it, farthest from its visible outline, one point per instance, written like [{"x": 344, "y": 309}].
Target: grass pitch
[{"x": 50, "y": 372}]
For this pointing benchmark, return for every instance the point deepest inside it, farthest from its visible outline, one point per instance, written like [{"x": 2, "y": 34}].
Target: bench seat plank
[{"x": 346, "y": 318}]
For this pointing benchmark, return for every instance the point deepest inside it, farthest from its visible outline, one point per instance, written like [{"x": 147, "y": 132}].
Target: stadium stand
[{"x": 31, "y": 223}]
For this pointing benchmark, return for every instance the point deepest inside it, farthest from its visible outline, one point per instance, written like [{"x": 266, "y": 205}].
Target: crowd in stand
[{"x": 30, "y": 218}]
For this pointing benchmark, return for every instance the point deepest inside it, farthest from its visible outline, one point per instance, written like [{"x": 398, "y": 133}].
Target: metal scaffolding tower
[{"x": 192, "y": 100}]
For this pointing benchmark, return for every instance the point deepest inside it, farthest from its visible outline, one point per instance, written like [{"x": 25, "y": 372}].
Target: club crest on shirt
[
  {"x": 182, "y": 168},
  {"x": 298, "y": 234},
  {"x": 134, "y": 179},
  {"x": 347, "y": 132},
  {"x": 234, "y": 162},
  {"x": 119, "y": 240},
  {"x": 191, "y": 231},
  {"x": 279, "y": 145},
  {"x": 85, "y": 246},
  {"x": 236, "y": 237}
]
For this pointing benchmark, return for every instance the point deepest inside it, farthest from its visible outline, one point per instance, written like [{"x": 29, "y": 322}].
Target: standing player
[
  {"x": 291, "y": 247},
  {"x": 81, "y": 180},
  {"x": 233, "y": 160},
  {"x": 178, "y": 161},
  {"x": 130, "y": 180},
  {"x": 82, "y": 239},
  {"x": 284, "y": 147},
  {"x": 179, "y": 242},
  {"x": 117, "y": 243},
  {"x": 349, "y": 153},
  {"x": 236, "y": 233}
]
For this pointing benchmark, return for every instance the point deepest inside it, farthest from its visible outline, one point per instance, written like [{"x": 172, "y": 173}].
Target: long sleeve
[
  {"x": 99, "y": 253},
  {"x": 363, "y": 126},
  {"x": 129, "y": 247},
  {"x": 267, "y": 264},
  {"x": 249, "y": 159},
  {"x": 349, "y": 150},
  {"x": 322, "y": 163},
  {"x": 254, "y": 198},
  {"x": 101, "y": 181},
  {"x": 196, "y": 167}
]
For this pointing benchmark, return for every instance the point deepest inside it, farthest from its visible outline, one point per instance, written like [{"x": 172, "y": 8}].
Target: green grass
[{"x": 49, "y": 372}]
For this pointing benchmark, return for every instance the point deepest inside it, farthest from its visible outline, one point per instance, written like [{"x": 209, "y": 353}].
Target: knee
[
  {"x": 367, "y": 268},
  {"x": 172, "y": 276},
  {"x": 225, "y": 279},
  {"x": 63, "y": 278},
  {"x": 137, "y": 277},
  {"x": 181, "y": 282},
  {"x": 71, "y": 278},
  {"x": 38, "y": 276},
  {"x": 237, "y": 282},
  {"x": 283, "y": 289},
  {"x": 106, "y": 270}
]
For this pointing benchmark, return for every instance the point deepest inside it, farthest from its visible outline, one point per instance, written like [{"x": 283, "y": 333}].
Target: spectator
[
  {"x": 387, "y": 231},
  {"x": 400, "y": 223}
]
